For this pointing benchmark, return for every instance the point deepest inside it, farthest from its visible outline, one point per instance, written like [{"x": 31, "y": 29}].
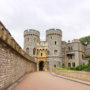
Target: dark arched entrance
[{"x": 41, "y": 65}]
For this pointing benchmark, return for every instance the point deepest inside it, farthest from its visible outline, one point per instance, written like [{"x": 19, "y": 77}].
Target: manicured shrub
[
  {"x": 81, "y": 67},
  {"x": 78, "y": 68}
]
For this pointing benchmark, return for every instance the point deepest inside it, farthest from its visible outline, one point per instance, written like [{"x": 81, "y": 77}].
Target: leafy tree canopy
[{"x": 85, "y": 40}]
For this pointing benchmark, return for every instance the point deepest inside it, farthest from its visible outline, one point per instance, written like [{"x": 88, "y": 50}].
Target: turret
[
  {"x": 54, "y": 38},
  {"x": 31, "y": 38}
]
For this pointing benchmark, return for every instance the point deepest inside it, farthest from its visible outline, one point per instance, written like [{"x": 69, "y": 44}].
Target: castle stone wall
[
  {"x": 14, "y": 62},
  {"x": 88, "y": 49}
]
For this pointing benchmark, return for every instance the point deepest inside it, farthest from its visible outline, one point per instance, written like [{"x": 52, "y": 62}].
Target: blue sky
[{"x": 71, "y": 16}]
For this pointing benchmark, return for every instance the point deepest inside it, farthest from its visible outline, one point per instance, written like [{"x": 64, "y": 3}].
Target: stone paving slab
[
  {"x": 46, "y": 81},
  {"x": 71, "y": 79}
]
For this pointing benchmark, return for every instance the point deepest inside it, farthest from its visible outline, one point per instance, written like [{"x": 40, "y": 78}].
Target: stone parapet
[
  {"x": 80, "y": 75},
  {"x": 31, "y": 32},
  {"x": 9, "y": 40},
  {"x": 53, "y": 32}
]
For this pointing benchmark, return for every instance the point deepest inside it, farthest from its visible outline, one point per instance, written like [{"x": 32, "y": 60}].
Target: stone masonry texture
[
  {"x": 14, "y": 62},
  {"x": 60, "y": 53}
]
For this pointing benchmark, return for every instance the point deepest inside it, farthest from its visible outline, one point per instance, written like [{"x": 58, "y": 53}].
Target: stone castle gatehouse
[{"x": 54, "y": 52}]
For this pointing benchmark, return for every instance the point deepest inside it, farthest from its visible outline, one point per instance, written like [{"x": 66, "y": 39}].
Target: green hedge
[{"x": 78, "y": 68}]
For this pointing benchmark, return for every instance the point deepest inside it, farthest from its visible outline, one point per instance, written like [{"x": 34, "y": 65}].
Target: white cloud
[{"x": 72, "y": 16}]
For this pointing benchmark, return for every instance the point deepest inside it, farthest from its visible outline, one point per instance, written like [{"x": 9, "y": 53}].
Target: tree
[{"x": 85, "y": 40}]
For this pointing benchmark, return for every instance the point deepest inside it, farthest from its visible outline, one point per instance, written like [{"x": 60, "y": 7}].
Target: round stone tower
[
  {"x": 54, "y": 38},
  {"x": 31, "y": 38}
]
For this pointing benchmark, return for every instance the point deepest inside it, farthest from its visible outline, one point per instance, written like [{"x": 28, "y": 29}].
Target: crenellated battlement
[
  {"x": 54, "y": 32},
  {"x": 31, "y": 32},
  {"x": 6, "y": 37}
]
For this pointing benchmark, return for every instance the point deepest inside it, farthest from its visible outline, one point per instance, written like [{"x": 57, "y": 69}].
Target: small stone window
[
  {"x": 70, "y": 57},
  {"x": 73, "y": 64},
  {"x": 41, "y": 54},
  {"x": 63, "y": 64},
  {"x": 69, "y": 64},
  {"x": 51, "y": 37},
  {"x": 55, "y": 42},
  {"x": 34, "y": 51},
  {"x": 82, "y": 56},
  {"x": 69, "y": 48},
  {"x": 54, "y": 65},
  {"x": 27, "y": 50}
]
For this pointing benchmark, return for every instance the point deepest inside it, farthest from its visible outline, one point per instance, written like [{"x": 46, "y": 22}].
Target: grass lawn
[{"x": 59, "y": 68}]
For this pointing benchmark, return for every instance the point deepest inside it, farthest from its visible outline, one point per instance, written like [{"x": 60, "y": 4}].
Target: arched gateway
[
  {"x": 42, "y": 54},
  {"x": 41, "y": 65}
]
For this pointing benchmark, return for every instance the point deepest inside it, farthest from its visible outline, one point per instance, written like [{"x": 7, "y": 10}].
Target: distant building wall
[
  {"x": 14, "y": 62},
  {"x": 75, "y": 52},
  {"x": 87, "y": 49}
]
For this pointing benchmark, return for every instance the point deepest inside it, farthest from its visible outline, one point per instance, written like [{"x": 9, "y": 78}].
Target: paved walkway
[{"x": 45, "y": 81}]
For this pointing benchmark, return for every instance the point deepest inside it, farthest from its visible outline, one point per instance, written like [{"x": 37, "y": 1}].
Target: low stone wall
[
  {"x": 14, "y": 62},
  {"x": 81, "y": 75}
]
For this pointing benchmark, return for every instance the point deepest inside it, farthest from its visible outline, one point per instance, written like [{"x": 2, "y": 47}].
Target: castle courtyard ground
[{"x": 45, "y": 81}]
